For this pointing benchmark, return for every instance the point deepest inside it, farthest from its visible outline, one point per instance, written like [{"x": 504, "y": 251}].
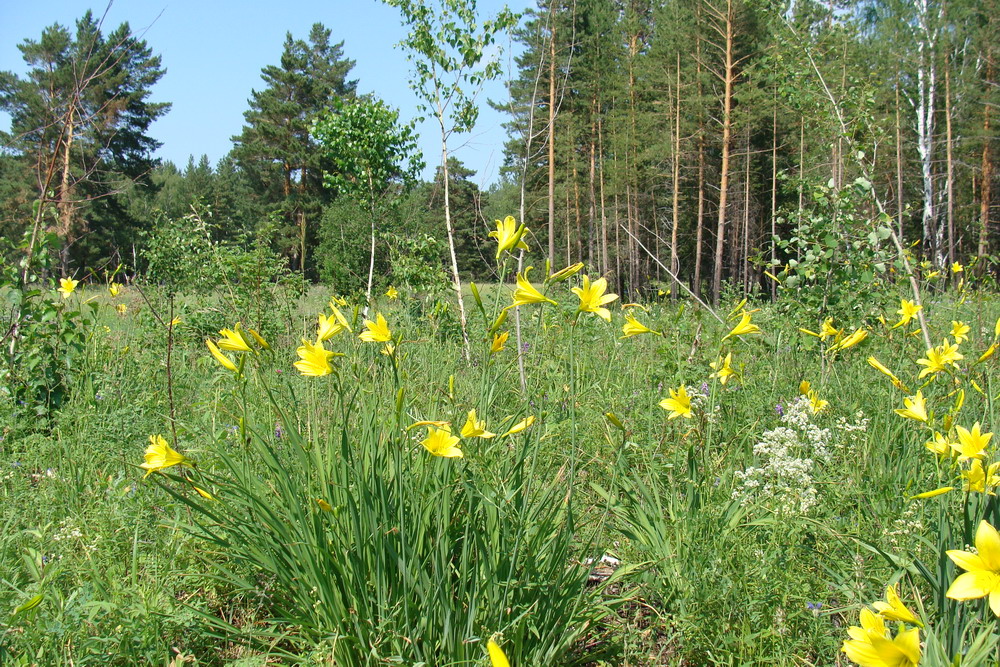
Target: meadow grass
[{"x": 750, "y": 532}]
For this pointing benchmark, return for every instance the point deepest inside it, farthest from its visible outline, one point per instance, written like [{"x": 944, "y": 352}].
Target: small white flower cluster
[
  {"x": 851, "y": 431},
  {"x": 907, "y": 524},
  {"x": 67, "y": 531},
  {"x": 799, "y": 415},
  {"x": 783, "y": 482}
]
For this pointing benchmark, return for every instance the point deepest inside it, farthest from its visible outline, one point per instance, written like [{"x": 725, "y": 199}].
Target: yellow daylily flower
[
  {"x": 327, "y": 327},
  {"x": 915, "y": 407},
  {"x": 114, "y": 289},
  {"x": 440, "y": 442},
  {"x": 723, "y": 368},
  {"x": 233, "y": 340},
  {"x": 338, "y": 301},
  {"x": 932, "y": 275},
  {"x": 743, "y": 328},
  {"x": 593, "y": 298},
  {"x": 859, "y": 335},
  {"x": 497, "y": 657},
  {"x": 893, "y": 609},
  {"x": 816, "y": 404},
  {"x": 634, "y": 327},
  {"x": 982, "y": 569},
  {"x": 877, "y": 365},
  {"x": 565, "y": 273},
  {"x": 959, "y": 331},
  {"x": 377, "y": 331},
  {"x": 940, "y": 444},
  {"x": 938, "y": 358},
  {"x": 392, "y": 293},
  {"x": 979, "y": 480},
  {"x": 988, "y": 353},
  {"x": 520, "y": 426},
  {"x": 160, "y": 456},
  {"x": 220, "y": 357},
  {"x": 957, "y": 268},
  {"x": 314, "y": 359},
  {"x": 804, "y": 387},
  {"x": 907, "y": 311},
  {"x": 971, "y": 444},
  {"x": 476, "y": 428},
  {"x": 526, "y": 293},
  {"x": 257, "y": 337},
  {"x": 509, "y": 235},
  {"x": 872, "y": 644},
  {"x": 67, "y": 286},
  {"x": 499, "y": 340},
  {"x": 340, "y": 316},
  {"x": 679, "y": 403}
]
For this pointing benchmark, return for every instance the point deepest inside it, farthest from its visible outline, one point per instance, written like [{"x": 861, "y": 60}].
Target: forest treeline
[{"x": 723, "y": 141}]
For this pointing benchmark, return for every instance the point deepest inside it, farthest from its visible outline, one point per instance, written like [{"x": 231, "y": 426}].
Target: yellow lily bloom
[
  {"x": 804, "y": 387},
  {"x": 940, "y": 445},
  {"x": 497, "y": 657},
  {"x": 723, "y": 368},
  {"x": 816, "y": 404},
  {"x": 979, "y": 480},
  {"x": 982, "y": 569},
  {"x": 509, "y": 235},
  {"x": 563, "y": 274},
  {"x": 233, "y": 340},
  {"x": 377, "y": 331},
  {"x": 938, "y": 358},
  {"x": 499, "y": 340},
  {"x": 988, "y": 353},
  {"x": 476, "y": 428},
  {"x": 679, "y": 403},
  {"x": 915, "y": 407},
  {"x": 859, "y": 335},
  {"x": 957, "y": 268},
  {"x": 907, "y": 311},
  {"x": 959, "y": 331},
  {"x": 971, "y": 444},
  {"x": 328, "y": 327},
  {"x": 520, "y": 426},
  {"x": 440, "y": 442},
  {"x": 743, "y": 328},
  {"x": 160, "y": 456},
  {"x": 392, "y": 293},
  {"x": 220, "y": 357},
  {"x": 314, "y": 359},
  {"x": 260, "y": 340},
  {"x": 872, "y": 644},
  {"x": 893, "y": 608},
  {"x": 593, "y": 298},
  {"x": 114, "y": 289},
  {"x": 633, "y": 327},
  {"x": 526, "y": 293},
  {"x": 67, "y": 286}
]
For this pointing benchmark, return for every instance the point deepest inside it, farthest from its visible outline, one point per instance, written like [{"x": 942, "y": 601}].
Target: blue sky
[{"x": 213, "y": 52}]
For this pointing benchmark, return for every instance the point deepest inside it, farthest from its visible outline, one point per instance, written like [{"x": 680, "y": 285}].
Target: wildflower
[
  {"x": 907, "y": 311},
  {"x": 915, "y": 407},
  {"x": 872, "y": 644},
  {"x": 66, "y": 286},
  {"x": 959, "y": 331},
  {"x": 563, "y": 274},
  {"x": 314, "y": 359},
  {"x": 257, "y": 337},
  {"x": 723, "y": 369},
  {"x": 220, "y": 357},
  {"x": 203, "y": 493},
  {"x": 938, "y": 358},
  {"x": 982, "y": 569},
  {"x": 323, "y": 505},
  {"x": 521, "y": 425},
  {"x": 939, "y": 445},
  {"x": 816, "y": 404},
  {"x": 509, "y": 235},
  {"x": 805, "y": 387},
  {"x": 376, "y": 332},
  {"x": 743, "y": 328},
  {"x": 971, "y": 444},
  {"x": 826, "y": 330},
  {"x": 859, "y": 335},
  {"x": 440, "y": 442},
  {"x": 633, "y": 327},
  {"x": 232, "y": 339},
  {"x": 476, "y": 428},
  {"x": 114, "y": 289},
  {"x": 121, "y": 308},
  {"x": 593, "y": 298},
  {"x": 392, "y": 293},
  {"x": 340, "y": 316},
  {"x": 526, "y": 293},
  {"x": 497, "y": 657},
  {"x": 988, "y": 353},
  {"x": 996, "y": 329},
  {"x": 499, "y": 340},
  {"x": 979, "y": 480},
  {"x": 932, "y": 275},
  {"x": 160, "y": 456},
  {"x": 893, "y": 608},
  {"x": 338, "y": 301},
  {"x": 874, "y": 363},
  {"x": 328, "y": 327},
  {"x": 679, "y": 403},
  {"x": 957, "y": 268}
]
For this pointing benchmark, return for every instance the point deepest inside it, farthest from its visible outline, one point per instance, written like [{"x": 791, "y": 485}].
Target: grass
[{"x": 732, "y": 550}]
